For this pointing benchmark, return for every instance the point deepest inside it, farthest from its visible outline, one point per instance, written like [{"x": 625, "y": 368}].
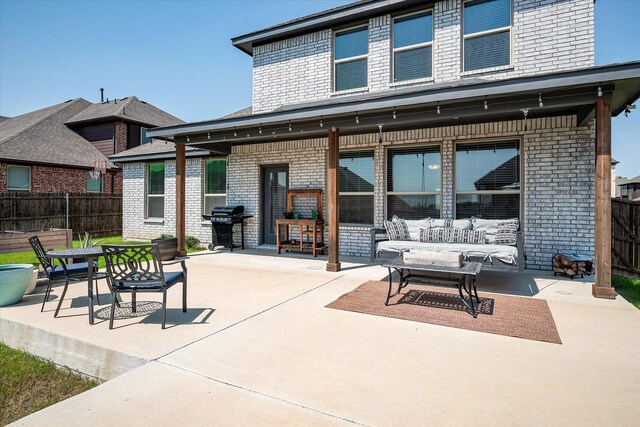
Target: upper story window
[
  {"x": 215, "y": 184},
  {"x": 356, "y": 187},
  {"x": 487, "y": 34},
  {"x": 488, "y": 180},
  {"x": 350, "y": 58},
  {"x": 412, "y": 47},
  {"x": 18, "y": 178},
  {"x": 155, "y": 190},
  {"x": 413, "y": 182}
]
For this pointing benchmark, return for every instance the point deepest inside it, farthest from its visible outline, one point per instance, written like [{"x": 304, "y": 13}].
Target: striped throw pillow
[
  {"x": 474, "y": 237},
  {"x": 435, "y": 235},
  {"x": 507, "y": 232}
]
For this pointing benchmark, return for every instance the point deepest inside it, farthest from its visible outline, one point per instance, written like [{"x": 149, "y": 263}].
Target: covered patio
[
  {"x": 262, "y": 349},
  {"x": 594, "y": 94}
]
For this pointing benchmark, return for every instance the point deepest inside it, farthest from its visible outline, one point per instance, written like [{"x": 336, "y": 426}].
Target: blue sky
[{"x": 178, "y": 56}]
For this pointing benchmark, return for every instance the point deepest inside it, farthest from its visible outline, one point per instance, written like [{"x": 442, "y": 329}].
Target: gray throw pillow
[{"x": 507, "y": 232}]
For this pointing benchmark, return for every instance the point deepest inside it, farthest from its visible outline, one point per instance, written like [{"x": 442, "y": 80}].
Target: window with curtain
[
  {"x": 413, "y": 182},
  {"x": 488, "y": 180},
  {"x": 412, "y": 47},
  {"x": 356, "y": 187},
  {"x": 94, "y": 185},
  {"x": 351, "y": 48},
  {"x": 487, "y": 34},
  {"x": 215, "y": 184},
  {"x": 18, "y": 178},
  {"x": 155, "y": 190}
]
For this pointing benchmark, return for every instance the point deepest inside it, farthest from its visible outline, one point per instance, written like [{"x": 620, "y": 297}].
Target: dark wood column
[
  {"x": 602, "y": 286},
  {"x": 333, "y": 188},
  {"x": 180, "y": 198}
]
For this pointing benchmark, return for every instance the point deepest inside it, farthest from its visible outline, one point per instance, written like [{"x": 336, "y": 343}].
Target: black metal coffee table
[{"x": 466, "y": 278}]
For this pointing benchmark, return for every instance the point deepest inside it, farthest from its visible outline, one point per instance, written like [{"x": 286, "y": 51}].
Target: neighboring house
[
  {"x": 614, "y": 187},
  {"x": 630, "y": 188},
  {"x": 443, "y": 109},
  {"x": 55, "y": 148}
]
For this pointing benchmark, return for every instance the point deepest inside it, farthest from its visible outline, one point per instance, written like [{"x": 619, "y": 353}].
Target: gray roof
[
  {"x": 3, "y": 118},
  {"x": 240, "y": 113},
  {"x": 41, "y": 136},
  {"x": 325, "y": 19},
  {"x": 622, "y": 181},
  {"x": 130, "y": 109},
  {"x": 156, "y": 149}
]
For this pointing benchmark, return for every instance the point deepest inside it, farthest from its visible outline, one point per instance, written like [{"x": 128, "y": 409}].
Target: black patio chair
[
  {"x": 137, "y": 268},
  {"x": 71, "y": 272}
]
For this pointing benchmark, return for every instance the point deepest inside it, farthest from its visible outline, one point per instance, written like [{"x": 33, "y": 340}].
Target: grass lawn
[
  {"x": 628, "y": 288},
  {"x": 29, "y": 257},
  {"x": 28, "y": 384}
]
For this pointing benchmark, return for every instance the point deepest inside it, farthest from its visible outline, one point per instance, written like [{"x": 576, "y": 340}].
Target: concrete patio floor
[{"x": 258, "y": 347}]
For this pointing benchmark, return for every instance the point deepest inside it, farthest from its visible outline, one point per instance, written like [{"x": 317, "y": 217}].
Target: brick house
[
  {"x": 448, "y": 109},
  {"x": 54, "y": 149}
]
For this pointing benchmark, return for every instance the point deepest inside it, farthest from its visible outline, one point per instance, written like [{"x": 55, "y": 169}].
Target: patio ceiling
[{"x": 462, "y": 102}]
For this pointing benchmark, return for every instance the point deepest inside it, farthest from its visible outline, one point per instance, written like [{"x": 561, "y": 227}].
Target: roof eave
[
  {"x": 595, "y": 75},
  {"x": 159, "y": 156},
  {"x": 319, "y": 22}
]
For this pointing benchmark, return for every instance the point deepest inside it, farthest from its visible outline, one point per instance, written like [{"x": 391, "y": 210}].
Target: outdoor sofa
[{"x": 496, "y": 244}]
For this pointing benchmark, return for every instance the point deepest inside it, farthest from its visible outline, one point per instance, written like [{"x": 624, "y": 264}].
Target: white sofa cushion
[
  {"x": 508, "y": 254},
  {"x": 490, "y": 226},
  {"x": 462, "y": 224}
]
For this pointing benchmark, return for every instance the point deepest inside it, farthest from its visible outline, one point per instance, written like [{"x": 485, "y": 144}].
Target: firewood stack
[{"x": 571, "y": 266}]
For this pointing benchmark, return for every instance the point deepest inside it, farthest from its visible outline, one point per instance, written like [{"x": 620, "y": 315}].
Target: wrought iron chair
[
  {"x": 137, "y": 268},
  {"x": 62, "y": 271}
]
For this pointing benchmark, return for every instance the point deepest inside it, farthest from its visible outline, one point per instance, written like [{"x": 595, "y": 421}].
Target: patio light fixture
[
  {"x": 438, "y": 109},
  {"x": 208, "y": 135},
  {"x": 260, "y": 129},
  {"x": 321, "y": 124},
  {"x": 188, "y": 140},
  {"x": 394, "y": 113},
  {"x": 235, "y": 133},
  {"x": 540, "y": 103},
  {"x": 357, "y": 118},
  {"x": 289, "y": 126},
  {"x": 599, "y": 92},
  {"x": 486, "y": 105}
]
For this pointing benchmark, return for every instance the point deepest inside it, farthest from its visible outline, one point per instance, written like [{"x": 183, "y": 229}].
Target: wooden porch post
[
  {"x": 333, "y": 186},
  {"x": 602, "y": 286},
  {"x": 180, "y": 198}
]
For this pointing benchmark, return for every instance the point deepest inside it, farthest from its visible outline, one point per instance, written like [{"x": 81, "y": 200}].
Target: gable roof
[
  {"x": 3, "y": 118},
  {"x": 129, "y": 109},
  {"x": 41, "y": 136},
  {"x": 329, "y": 18}
]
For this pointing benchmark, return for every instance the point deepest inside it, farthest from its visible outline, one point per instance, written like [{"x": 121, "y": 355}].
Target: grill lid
[{"x": 227, "y": 210}]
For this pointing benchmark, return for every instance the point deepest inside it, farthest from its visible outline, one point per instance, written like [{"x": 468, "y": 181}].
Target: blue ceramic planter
[{"x": 14, "y": 279}]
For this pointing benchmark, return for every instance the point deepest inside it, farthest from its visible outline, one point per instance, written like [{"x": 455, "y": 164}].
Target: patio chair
[
  {"x": 62, "y": 271},
  {"x": 137, "y": 268}
]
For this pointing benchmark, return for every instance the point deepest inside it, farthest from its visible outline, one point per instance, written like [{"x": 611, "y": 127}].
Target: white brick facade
[
  {"x": 557, "y": 196},
  {"x": 547, "y": 36}
]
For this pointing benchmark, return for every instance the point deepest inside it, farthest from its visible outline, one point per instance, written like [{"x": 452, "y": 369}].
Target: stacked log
[{"x": 569, "y": 266}]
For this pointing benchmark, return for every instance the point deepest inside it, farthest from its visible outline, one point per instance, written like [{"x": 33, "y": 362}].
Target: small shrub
[
  {"x": 166, "y": 236},
  {"x": 191, "y": 242}
]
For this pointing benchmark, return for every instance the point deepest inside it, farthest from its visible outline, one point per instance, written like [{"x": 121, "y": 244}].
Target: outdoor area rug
[{"x": 527, "y": 318}]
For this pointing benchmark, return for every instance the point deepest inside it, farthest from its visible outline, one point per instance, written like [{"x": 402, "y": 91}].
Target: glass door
[{"x": 275, "y": 183}]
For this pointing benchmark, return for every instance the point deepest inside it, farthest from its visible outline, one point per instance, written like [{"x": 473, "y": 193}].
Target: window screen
[
  {"x": 487, "y": 34},
  {"x": 356, "y": 187},
  {"x": 215, "y": 186},
  {"x": 350, "y": 58},
  {"x": 488, "y": 180},
  {"x": 412, "y": 47},
  {"x": 94, "y": 185},
  {"x": 414, "y": 182},
  {"x": 155, "y": 190},
  {"x": 18, "y": 178}
]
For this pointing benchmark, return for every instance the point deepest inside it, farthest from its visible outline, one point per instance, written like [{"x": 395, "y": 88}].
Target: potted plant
[
  {"x": 86, "y": 241},
  {"x": 168, "y": 246},
  {"x": 289, "y": 213}
]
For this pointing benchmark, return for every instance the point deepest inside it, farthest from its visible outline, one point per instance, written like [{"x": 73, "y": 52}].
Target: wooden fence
[
  {"x": 98, "y": 214},
  {"x": 625, "y": 238}
]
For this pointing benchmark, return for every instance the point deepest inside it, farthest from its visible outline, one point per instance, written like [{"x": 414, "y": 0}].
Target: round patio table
[{"x": 90, "y": 254}]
